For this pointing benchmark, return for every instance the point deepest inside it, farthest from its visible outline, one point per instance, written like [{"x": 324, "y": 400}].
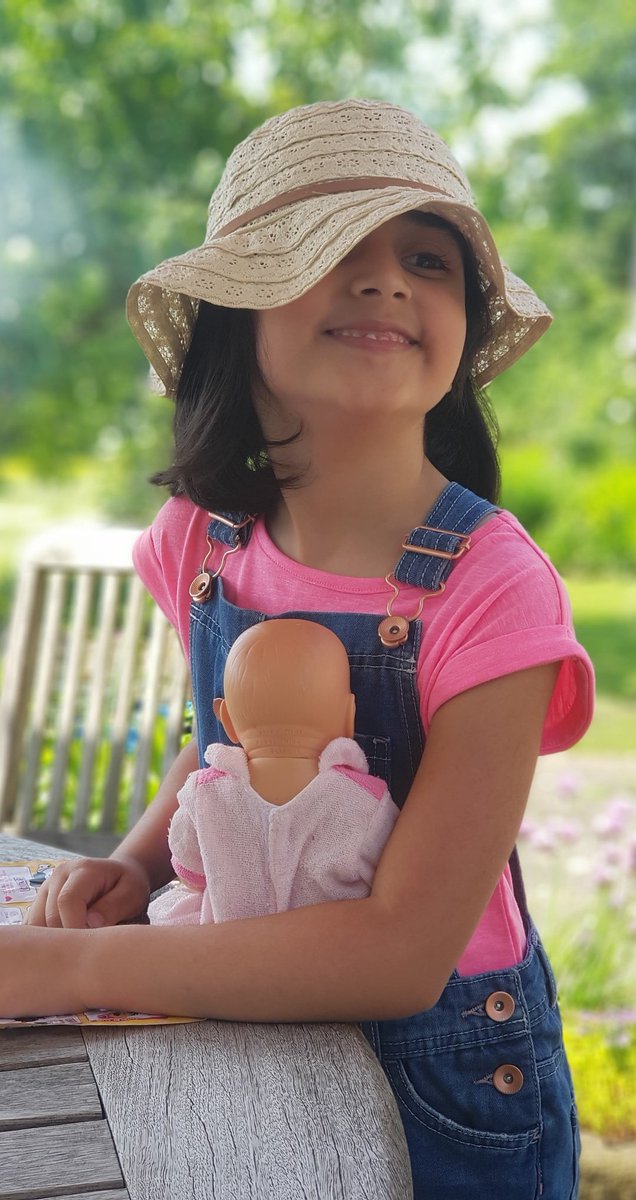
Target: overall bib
[{"x": 481, "y": 1080}]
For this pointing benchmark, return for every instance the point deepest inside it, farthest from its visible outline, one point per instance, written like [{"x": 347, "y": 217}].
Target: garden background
[{"x": 115, "y": 119}]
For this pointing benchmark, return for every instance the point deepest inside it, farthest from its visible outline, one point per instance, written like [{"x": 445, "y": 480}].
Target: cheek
[
  {"x": 279, "y": 352},
  {"x": 268, "y": 347},
  {"x": 457, "y": 325}
]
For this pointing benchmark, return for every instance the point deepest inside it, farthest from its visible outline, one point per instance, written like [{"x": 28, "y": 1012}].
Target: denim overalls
[{"x": 481, "y": 1079}]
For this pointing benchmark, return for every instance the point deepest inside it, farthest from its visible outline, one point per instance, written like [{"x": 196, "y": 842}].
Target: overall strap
[
  {"x": 430, "y": 553},
  {"x": 431, "y": 550},
  {"x": 231, "y": 528}
]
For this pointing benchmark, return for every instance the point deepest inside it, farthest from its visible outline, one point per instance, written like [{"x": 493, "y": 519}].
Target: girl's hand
[{"x": 86, "y": 893}]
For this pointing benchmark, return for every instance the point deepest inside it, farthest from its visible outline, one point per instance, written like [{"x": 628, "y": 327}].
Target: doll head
[{"x": 287, "y": 690}]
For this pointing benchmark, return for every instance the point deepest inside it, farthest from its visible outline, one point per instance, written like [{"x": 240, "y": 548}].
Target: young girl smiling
[{"x": 335, "y": 460}]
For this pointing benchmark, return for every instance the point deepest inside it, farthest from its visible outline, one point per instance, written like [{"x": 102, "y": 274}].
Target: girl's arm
[
  {"x": 388, "y": 955},
  {"x": 147, "y": 842}
]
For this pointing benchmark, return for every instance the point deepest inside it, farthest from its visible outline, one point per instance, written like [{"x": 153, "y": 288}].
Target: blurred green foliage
[
  {"x": 117, "y": 116},
  {"x": 602, "y": 1058}
]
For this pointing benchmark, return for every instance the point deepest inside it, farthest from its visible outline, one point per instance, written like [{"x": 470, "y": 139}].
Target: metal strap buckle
[
  {"x": 231, "y": 524},
  {"x": 451, "y": 554},
  {"x": 201, "y": 586}
]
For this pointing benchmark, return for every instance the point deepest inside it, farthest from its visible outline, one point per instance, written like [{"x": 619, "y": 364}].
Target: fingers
[
  {"x": 124, "y": 901},
  {"x": 85, "y": 884},
  {"x": 43, "y": 911},
  {"x": 64, "y": 899},
  {"x": 88, "y": 893}
]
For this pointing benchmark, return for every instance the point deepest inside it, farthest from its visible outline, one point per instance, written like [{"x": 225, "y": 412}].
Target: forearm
[
  {"x": 339, "y": 961},
  {"x": 147, "y": 843}
]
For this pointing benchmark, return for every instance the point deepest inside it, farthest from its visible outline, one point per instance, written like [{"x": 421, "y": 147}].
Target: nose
[{"x": 377, "y": 272}]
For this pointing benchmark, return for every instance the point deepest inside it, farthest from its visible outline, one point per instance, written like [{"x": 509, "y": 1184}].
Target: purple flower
[
  {"x": 603, "y": 876},
  {"x": 567, "y": 831},
  {"x": 569, "y": 784},
  {"x": 615, "y": 816},
  {"x": 543, "y": 839},
  {"x": 614, "y": 856}
]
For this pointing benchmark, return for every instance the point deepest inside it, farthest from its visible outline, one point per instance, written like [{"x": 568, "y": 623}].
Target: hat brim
[{"x": 278, "y": 257}]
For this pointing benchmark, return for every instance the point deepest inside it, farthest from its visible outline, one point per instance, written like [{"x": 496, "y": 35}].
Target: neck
[
  {"x": 277, "y": 778},
  {"x": 357, "y": 482}
]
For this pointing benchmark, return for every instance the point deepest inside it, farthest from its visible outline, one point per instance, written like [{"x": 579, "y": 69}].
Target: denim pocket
[
  {"x": 465, "y": 1138},
  {"x": 456, "y": 1091}
]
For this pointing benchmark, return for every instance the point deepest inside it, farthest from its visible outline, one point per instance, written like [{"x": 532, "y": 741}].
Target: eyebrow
[
  {"x": 430, "y": 219},
  {"x": 434, "y": 221}
]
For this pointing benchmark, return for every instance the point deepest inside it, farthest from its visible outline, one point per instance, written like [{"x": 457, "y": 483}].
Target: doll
[{"x": 288, "y": 815}]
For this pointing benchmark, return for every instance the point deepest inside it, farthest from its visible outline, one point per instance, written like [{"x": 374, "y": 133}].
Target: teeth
[{"x": 389, "y": 336}]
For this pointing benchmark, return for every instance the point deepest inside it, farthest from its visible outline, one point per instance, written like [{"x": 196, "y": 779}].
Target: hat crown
[{"x": 333, "y": 141}]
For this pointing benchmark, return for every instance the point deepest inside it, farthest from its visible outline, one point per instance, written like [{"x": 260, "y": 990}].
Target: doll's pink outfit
[{"x": 248, "y": 858}]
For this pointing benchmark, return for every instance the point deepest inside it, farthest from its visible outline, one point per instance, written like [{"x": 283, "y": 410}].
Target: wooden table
[{"x": 219, "y": 1110}]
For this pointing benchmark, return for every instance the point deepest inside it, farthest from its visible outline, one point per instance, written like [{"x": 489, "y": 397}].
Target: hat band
[{"x": 328, "y": 187}]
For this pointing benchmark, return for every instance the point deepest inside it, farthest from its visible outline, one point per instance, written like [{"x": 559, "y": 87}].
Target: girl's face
[{"x": 381, "y": 334}]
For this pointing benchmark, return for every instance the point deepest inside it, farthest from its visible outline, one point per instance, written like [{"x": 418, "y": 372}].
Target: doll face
[{"x": 382, "y": 333}]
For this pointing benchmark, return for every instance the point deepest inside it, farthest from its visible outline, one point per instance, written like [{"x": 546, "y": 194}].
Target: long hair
[{"x": 221, "y": 458}]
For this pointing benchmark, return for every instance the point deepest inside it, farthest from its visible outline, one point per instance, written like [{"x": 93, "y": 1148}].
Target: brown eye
[{"x": 427, "y": 260}]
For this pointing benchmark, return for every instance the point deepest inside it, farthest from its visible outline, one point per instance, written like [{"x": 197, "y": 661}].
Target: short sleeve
[
  {"x": 507, "y": 611},
  {"x": 148, "y": 566},
  {"x": 167, "y": 556}
]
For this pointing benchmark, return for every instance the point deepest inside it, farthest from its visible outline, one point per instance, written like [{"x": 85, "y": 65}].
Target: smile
[{"x": 376, "y": 339}]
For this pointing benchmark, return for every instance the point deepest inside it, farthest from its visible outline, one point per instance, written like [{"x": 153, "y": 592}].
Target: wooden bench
[{"x": 94, "y": 699}]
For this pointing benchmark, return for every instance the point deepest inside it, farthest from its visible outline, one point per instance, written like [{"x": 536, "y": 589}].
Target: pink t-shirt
[{"x": 504, "y": 609}]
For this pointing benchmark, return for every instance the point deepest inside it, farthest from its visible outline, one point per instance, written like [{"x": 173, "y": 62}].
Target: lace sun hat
[{"x": 295, "y": 197}]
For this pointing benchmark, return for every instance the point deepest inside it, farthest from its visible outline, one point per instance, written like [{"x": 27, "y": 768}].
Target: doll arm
[
  {"x": 377, "y": 835},
  {"x": 183, "y": 838}
]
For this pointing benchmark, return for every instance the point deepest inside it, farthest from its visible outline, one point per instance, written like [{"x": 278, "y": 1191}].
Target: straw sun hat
[{"x": 295, "y": 197}]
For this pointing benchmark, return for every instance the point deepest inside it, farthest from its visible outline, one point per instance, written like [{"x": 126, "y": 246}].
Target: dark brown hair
[{"x": 221, "y": 460}]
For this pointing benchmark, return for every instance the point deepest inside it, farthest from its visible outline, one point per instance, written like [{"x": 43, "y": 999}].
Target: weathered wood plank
[
  {"x": 55, "y": 1095},
  {"x": 35, "y": 1047},
  {"x": 60, "y": 1161},
  {"x": 120, "y": 1194},
  {"x": 12, "y": 848},
  {"x": 231, "y": 1111}
]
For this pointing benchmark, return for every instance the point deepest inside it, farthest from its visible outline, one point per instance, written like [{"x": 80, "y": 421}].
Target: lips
[{"x": 374, "y": 332}]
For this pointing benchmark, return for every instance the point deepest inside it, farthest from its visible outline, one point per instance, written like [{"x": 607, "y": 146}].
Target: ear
[
  {"x": 351, "y": 716},
  {"x": 222, "y": 715}
]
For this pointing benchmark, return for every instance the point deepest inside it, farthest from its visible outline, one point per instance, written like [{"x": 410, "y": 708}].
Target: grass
[
  {"x": 604, "y": 608},
  {"x": 587, "y": 842},
  {"x": 613, "y": 729}
]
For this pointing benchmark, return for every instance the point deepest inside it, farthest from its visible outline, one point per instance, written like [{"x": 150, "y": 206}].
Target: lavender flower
[{"x": 568, "y": 784}]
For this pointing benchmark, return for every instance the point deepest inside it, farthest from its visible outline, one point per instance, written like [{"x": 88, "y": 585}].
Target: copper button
[
  {"x": 508, "y": 1079},
  {"x": 500, "y": 1006}
]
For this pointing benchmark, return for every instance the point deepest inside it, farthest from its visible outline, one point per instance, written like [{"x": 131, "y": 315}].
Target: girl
[{"x": 334, "y": 460}]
